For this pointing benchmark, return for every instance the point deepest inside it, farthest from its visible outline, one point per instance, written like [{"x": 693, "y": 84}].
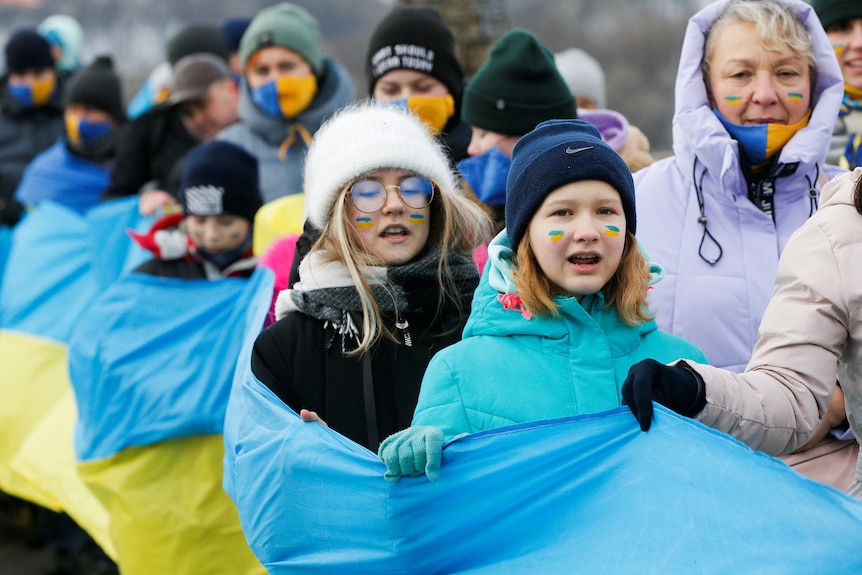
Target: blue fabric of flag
[
  {"x": 587, "y": 494},
  {"x": 59, "y": 260},
  {"x": 153, "y": 358},
  {"x": 57, "y": 174}
]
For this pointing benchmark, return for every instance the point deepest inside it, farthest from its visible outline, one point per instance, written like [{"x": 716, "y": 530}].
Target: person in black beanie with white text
[
  {"x": 75, "y": 171},
  {"x": 31, "y": 112},
  {"x": 411, "y": 61}
]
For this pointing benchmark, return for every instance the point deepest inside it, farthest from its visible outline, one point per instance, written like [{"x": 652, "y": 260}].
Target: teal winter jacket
[{"x": 510, "y": 369}]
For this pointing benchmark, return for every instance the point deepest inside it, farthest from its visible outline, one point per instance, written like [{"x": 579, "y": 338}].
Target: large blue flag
[
  {"x": 154, "y": 358},
  {"x": 58, "y": 261},
  {"x": 587, "y": 494}
]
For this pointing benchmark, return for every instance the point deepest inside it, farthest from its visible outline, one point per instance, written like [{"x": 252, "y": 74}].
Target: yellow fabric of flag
[
  {"x": 46, "y": 460},
  {"x": 33, "y": 378},
  {"x": 169, "y": 513}
]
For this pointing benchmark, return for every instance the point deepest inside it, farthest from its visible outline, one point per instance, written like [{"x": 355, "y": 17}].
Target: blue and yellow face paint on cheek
[
  {"x": 364, "y": 222},
  {"x": 555, "y": 235},
  {"x": 795, "y": 96},
  {"x": 612, "y": 231},
  {"x": 417, "y": 219},
  {"x": 733, "y": 100}
]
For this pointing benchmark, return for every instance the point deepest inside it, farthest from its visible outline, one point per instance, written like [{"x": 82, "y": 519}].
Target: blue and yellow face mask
[
  {"x": 286, "y": 96},
  {"x": 434, "y": 111},
  {"x": 762, "y": 141},
  {"x": 34, "y": 94},
  {"x": 81, "y": 131}
]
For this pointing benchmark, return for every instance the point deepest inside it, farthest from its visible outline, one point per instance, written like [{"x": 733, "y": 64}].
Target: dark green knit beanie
[
  {"x": 517, "y": 88},
  {"x": 833, "y": 11}
]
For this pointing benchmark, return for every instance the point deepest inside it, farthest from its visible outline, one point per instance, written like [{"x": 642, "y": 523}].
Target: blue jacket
[
  {"x": 509, "y": 369},
  {"x": 59, "y": 175}
]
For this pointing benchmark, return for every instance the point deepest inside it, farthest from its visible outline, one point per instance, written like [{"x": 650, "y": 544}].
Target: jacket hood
[
  {"x": 613, "y": 126},
  {"x": 490, "y": 316},
  {"x": 334, "y": 90},
  {"x": 697, "y": 132}
]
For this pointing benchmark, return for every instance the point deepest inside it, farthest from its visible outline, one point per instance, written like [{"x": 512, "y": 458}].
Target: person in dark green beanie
[
  {"x": 516, "y": 89},
  {"x": 842, "y": 20},
  {"x": 288, "y": 89}
]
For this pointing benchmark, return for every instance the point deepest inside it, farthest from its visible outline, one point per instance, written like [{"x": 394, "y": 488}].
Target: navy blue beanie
[
  {"x": 220, "y": 178},
  {"x": 233, "y": 30},
  {"x": 556, "y": 153},
  {"x": 28, "y": 50}
]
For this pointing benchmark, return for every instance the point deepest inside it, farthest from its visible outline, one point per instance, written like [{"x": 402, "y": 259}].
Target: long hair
[
  {"x": 857, "y": 196},
  {"x": 626, "y": 290},
  {"x": 457, "y": 225}
]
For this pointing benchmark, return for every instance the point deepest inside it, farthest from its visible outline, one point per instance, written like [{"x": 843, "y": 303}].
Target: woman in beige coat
[{"x": 810, "y": 334}]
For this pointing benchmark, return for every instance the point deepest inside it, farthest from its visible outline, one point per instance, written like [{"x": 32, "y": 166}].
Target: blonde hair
[
  {"x": 776, "y": 24},
  {"x": 626, "y": 290},
  {"x": 456, "y": 224}
]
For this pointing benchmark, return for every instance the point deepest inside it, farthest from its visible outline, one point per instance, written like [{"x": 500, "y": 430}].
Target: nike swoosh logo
[{"x": 576, "y": 150}]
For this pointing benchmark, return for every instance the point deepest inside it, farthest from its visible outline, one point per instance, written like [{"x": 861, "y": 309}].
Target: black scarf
[{"x": 325, "y": 292}]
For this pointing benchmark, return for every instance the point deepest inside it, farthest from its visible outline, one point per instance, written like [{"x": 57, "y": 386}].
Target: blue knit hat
[
  {"x": 233, "y": 30},
  {"x": 556, "y": 153},
  {"x": 220, "y": 178}
]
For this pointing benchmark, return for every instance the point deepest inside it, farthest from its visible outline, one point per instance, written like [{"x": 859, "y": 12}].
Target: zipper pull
[{"x": 402, "y": 326}]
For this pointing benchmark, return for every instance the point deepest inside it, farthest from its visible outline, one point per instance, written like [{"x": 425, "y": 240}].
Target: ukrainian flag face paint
[
  {"x": 33, "y": 92},
  {"x": 286, "y": 96},
  {"x": 752, "y": 85},
  {"x": 577, "y": 236},
  {"x": 395, "y": 232},
  {"x": 364, "y": 222},
  {"x": 846, "y": 39}
]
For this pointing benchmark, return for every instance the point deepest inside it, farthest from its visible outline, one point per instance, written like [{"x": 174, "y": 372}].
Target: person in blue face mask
[
  {"x": 289, "y": 87},
  {"x": 31, "y": 112},
  {"x": 516, "y": 89},
  {"x": 75, "y": 171}
]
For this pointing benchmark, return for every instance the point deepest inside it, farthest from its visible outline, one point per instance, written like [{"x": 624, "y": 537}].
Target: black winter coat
[
  {"x": 292, "y": 357},
  {"x": 153, "y": 148}
]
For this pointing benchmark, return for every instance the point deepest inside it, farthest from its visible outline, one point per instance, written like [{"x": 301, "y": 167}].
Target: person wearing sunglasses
[{"x": 388, "y": 283}]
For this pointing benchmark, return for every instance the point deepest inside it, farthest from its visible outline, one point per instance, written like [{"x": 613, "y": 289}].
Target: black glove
[{"x": 678, "y": 387}]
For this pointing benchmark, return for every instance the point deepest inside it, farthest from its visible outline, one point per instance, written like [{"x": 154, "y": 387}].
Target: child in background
[
  {"x": 560, "y": 313},
  {"x": 220, "y": 196}
]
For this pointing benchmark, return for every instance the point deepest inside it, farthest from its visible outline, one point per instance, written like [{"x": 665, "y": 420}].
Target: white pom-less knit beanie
[{"x": 365, "y": 137}]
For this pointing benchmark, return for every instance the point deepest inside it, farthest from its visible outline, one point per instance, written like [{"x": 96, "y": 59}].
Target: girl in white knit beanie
[{"x": 388, "y": 283}]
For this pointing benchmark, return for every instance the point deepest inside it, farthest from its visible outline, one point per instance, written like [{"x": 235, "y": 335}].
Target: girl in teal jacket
[{"x": 560, "y": 314}]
